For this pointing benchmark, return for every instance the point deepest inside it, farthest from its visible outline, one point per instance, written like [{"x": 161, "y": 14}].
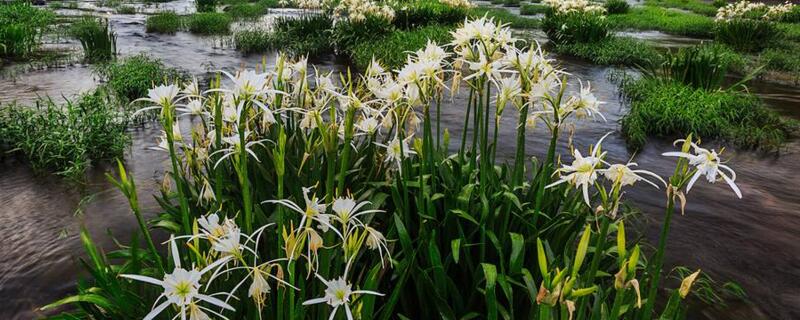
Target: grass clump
[
  {"x": 671, "y": 109},
  {"x": 130, "y": 79},
  {"x": 419, "y": 13},
  {"x": 575, "y": 27},
  {"x": 207, "y": 23},
  {"x": 392, "y": 49},
  {"x": 97, "y": 39},
  {"x": 21, "y": 28},
  {"x": 613, "y": 51},
  {"x": 652, "y": 18},
  {"x": 511, "y": 3},
  {"x": 126, "y": 10},
  {"x": 747, "y": 35},
  {"x": 533, "y": 9},
  {"x": 164, "y": 22},
  {"x": 506, "y": 17},
  {"x": 296, "y": 36},
  {"x": 206, "y": 5},
  {"x": 616, "y": 6},
  {"x": 703, "y": 66},
  {"x": 696, "y": 6},
  {"x": 65, "y": 139},
  {"x": 246, "y": 11}
]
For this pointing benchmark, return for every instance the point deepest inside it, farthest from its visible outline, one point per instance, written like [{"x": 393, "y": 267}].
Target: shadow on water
[{"x": 752, "y": 241}]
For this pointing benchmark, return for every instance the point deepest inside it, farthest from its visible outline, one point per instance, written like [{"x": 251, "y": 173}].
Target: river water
[{"x": 753, "y": 241}]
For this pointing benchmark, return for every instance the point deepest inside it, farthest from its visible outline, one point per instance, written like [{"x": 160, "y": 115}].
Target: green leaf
[
  {"x": 490, "y": 274},
  {"x": 455, "y": 246},
  {"x": 583, "y": 246},
  {"x": 517, "y": 254},
  {"x": 95, "y": 299}
]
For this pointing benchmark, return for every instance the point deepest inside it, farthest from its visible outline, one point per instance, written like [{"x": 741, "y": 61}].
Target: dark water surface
[{"x": 754, "y": 241}]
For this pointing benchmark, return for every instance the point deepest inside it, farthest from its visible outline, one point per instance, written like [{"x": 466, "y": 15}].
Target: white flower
[
  {"x": 625, "y": 176},
  {"x": 314, "y": 211},
  {"x": 582, "y": 173},
  {"x": 248, "y": 83},
  {"x": 163, "y": 95},
  {"x": 368, "y": 125},
  {"x": 337, "y": 294},
  {"x": 586, "y": 104},
  {"x": 181, "y": 287},
  {"x": 397, "y": 150},
  {"x": 707, "y": 163}
]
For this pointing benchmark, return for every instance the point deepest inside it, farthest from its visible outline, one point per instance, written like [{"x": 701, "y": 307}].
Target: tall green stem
[{"x": 658, "y": 261}]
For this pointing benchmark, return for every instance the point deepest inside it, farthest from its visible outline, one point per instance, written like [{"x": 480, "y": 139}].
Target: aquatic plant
[
  {"x": 511, "y": 3},
  {"x": 246, "y": 11},
  {"x": 392, "y": 49},
  {"x": 419, "y": 13},
  {"x": 669, "y": 21},
  {"x": 298, "y": 197},
  {"x": 208, "y": 23},
  {"x": 164, "y": 22},
  {"x": 532, "y": 9},
  {"x": 206, "y": 5},
  {"x": 669, "y": 109},
  {"x": 21, "y": 27},
  {"x": 504, "y": 16},
  {"x": 130, "y": 78},
  {"x": 748, "y": 26},
  {"x": 616, "y": 6},
  {"x": 307, "y": 35},
  {"x": 704, "y": 66},
  {"x": 99, "y": 43},
  {"x": 126, "y": 10},
  {"x": 575, "y": 21},
  {"x": 614, "y": 50},
  {"x": 696, "y": 6},
  {"x": 65, "y": 139}
]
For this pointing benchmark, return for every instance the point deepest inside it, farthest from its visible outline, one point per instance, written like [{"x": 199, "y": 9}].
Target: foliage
[
  {"x": 206, "y": 5},
  {"x": 164, "y": 22},
  {"x": 704, "y": 66},
  {"x": 296, "y": 187},
  {"x": 247, "y": 11},
  {"x": 696, "y": 6},
  {"x": 130, "y": 78},
  {"x": 616, "y": 6},
  {"x": 419, "y": 13},
  {"x": 669, "y": 109},
  {"x": 65, "y": 139},
  {"x": 346, "y": 35},
  {"x": 209, "y": 23},
  {"x": 21, "y": 27},
  {"x": 533, "y": 9},
  {"x": 98, "y": 41},
  {"x": 506, "y": 17},
  {"x": 614, "y": 51},
  {"x": 747, "y": 35},
  {"x": 575, "y": 27},
  {"x": 309, "y": 35},
  {"x": 511, "y": 3},
  {"x": 783, "y": 58},
  {"x": 393, "y": 49},
  {"x": 669, "y": 21}
]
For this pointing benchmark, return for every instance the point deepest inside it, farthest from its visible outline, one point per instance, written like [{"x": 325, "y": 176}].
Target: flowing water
[{"x": 753, "y": 241}]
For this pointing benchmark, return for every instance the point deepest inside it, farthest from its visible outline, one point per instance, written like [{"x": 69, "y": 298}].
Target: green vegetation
[
  {"x": 671, "y": 109},
  {"x": 129, "y": 79},
  {"x": 575, "y": 27},
  {"x": 65, "y": 139},
  {"x": 126, "y": 10},
  {"x": 164, "y": 22},
  {"x": 511, "y": 3},
  {"x": 209, "y": 23},
  {"x": 616, "y": 6},
  {"x": 247, "y": 11},
  {"x": 747, "y": 35},
  {"x": 613, "y": 51},
  {"x": 206, "y": 5},
  {"x": 532, "y": 9},
  {"x": 295, "y": 36},
  {"x": 21, "y": 27},
  {"x": 703, "y": 66},
  {"x": 504, "y": 16},
  {"x": 419, "y": 13},
  {"x": 96, "y": 37},
  {"x": 784, "y": 58},
  {"x": 392, "y": 49},
  {"x": 696, "y": 6},
  {"x": 669, "y": 21}
]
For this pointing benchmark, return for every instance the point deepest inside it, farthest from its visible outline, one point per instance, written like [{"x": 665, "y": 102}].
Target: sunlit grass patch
[
  {"x": 208, "y": 23},
  {"x": 613, "y": 51},
  {"x": 21, "y": 28},
  {"x": 130, "y": 78},
  {"x": 652, "y": 18},
  {"x": 392, "y": 49},
  {"x": 670, "y": 109},
  {"x": 697, "y": 6},
  {"x": 164, "y": 22},
  {"x": 533, "y": 9}
]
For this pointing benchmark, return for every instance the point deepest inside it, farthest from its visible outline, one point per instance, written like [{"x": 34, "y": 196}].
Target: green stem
[{"x": 658, "y": 261}]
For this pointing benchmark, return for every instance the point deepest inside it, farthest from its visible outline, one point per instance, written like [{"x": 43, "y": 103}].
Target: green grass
[
  {"x": 164, "y": 22},
  {"x": 126, "y": 10},
  {"x": 99, "y": 43},
  {"x": 21, "y": 28},
  {"x": 247, "y": 11},
  {"x": 532, "y": 9},
  {"x": 696, "y": 6},
  {"x": 575, "y": 27},
  {"x": 392, "y": 49},
  {"x": 671, "y": 109},
  {"x": 307, "y": 35},
  {"x": 652, "y": 18},
  {"x": 613, "y": 51},
  {"x": 65, "y": 139},
  {"x": 208, "y": 23},
  {"x": 782, "y": 59},
  {"x": 130, "y": 79},
  {"x": 616, "y": 6},
  {"x": 748, "y": 35},
  {"x": 703, "y": 66},
  {"x": 504, "y": 16},
  {"x": 418, "y": 13}
]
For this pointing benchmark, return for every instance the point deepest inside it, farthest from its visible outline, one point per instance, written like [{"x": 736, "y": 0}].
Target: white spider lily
[
  {"x": 347, "y": 210},
  {"x": 338, "y": 294},
  {"x": 376, "y": 241},
  {"x": 163, "y": 95},
  {"x": 707, "y": 163},
  {"x": 248, "y": 83},
  {"x": 314, "y": 211},
  {"x": 368, "y": 125},
  {"x": 583, "y": 171},
  {"x": 484, "y": 67},
  {"x": 182, "y": 287},
  {"x": 625, "y": 176},
  {"x": 586, "y": 104},
  {"x": 397, "y": 150},
  {"x": 194, "y": 108},
  {"x": 235, "y": 146}
]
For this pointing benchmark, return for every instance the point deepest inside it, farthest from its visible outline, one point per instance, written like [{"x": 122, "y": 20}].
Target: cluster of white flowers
[
  {"x": 309, "y": 4},
  {"x": 359, "y": 10},
  {"x": 458, "y": 3},
  {"x": 752, "y": 10},
  {"x": 570, "y": 6}
]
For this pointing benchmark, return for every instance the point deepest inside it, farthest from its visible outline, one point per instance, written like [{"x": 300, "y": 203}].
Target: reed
[
  {"x": 21, "y": 28},
  {"x": 98, "y": 41}
]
